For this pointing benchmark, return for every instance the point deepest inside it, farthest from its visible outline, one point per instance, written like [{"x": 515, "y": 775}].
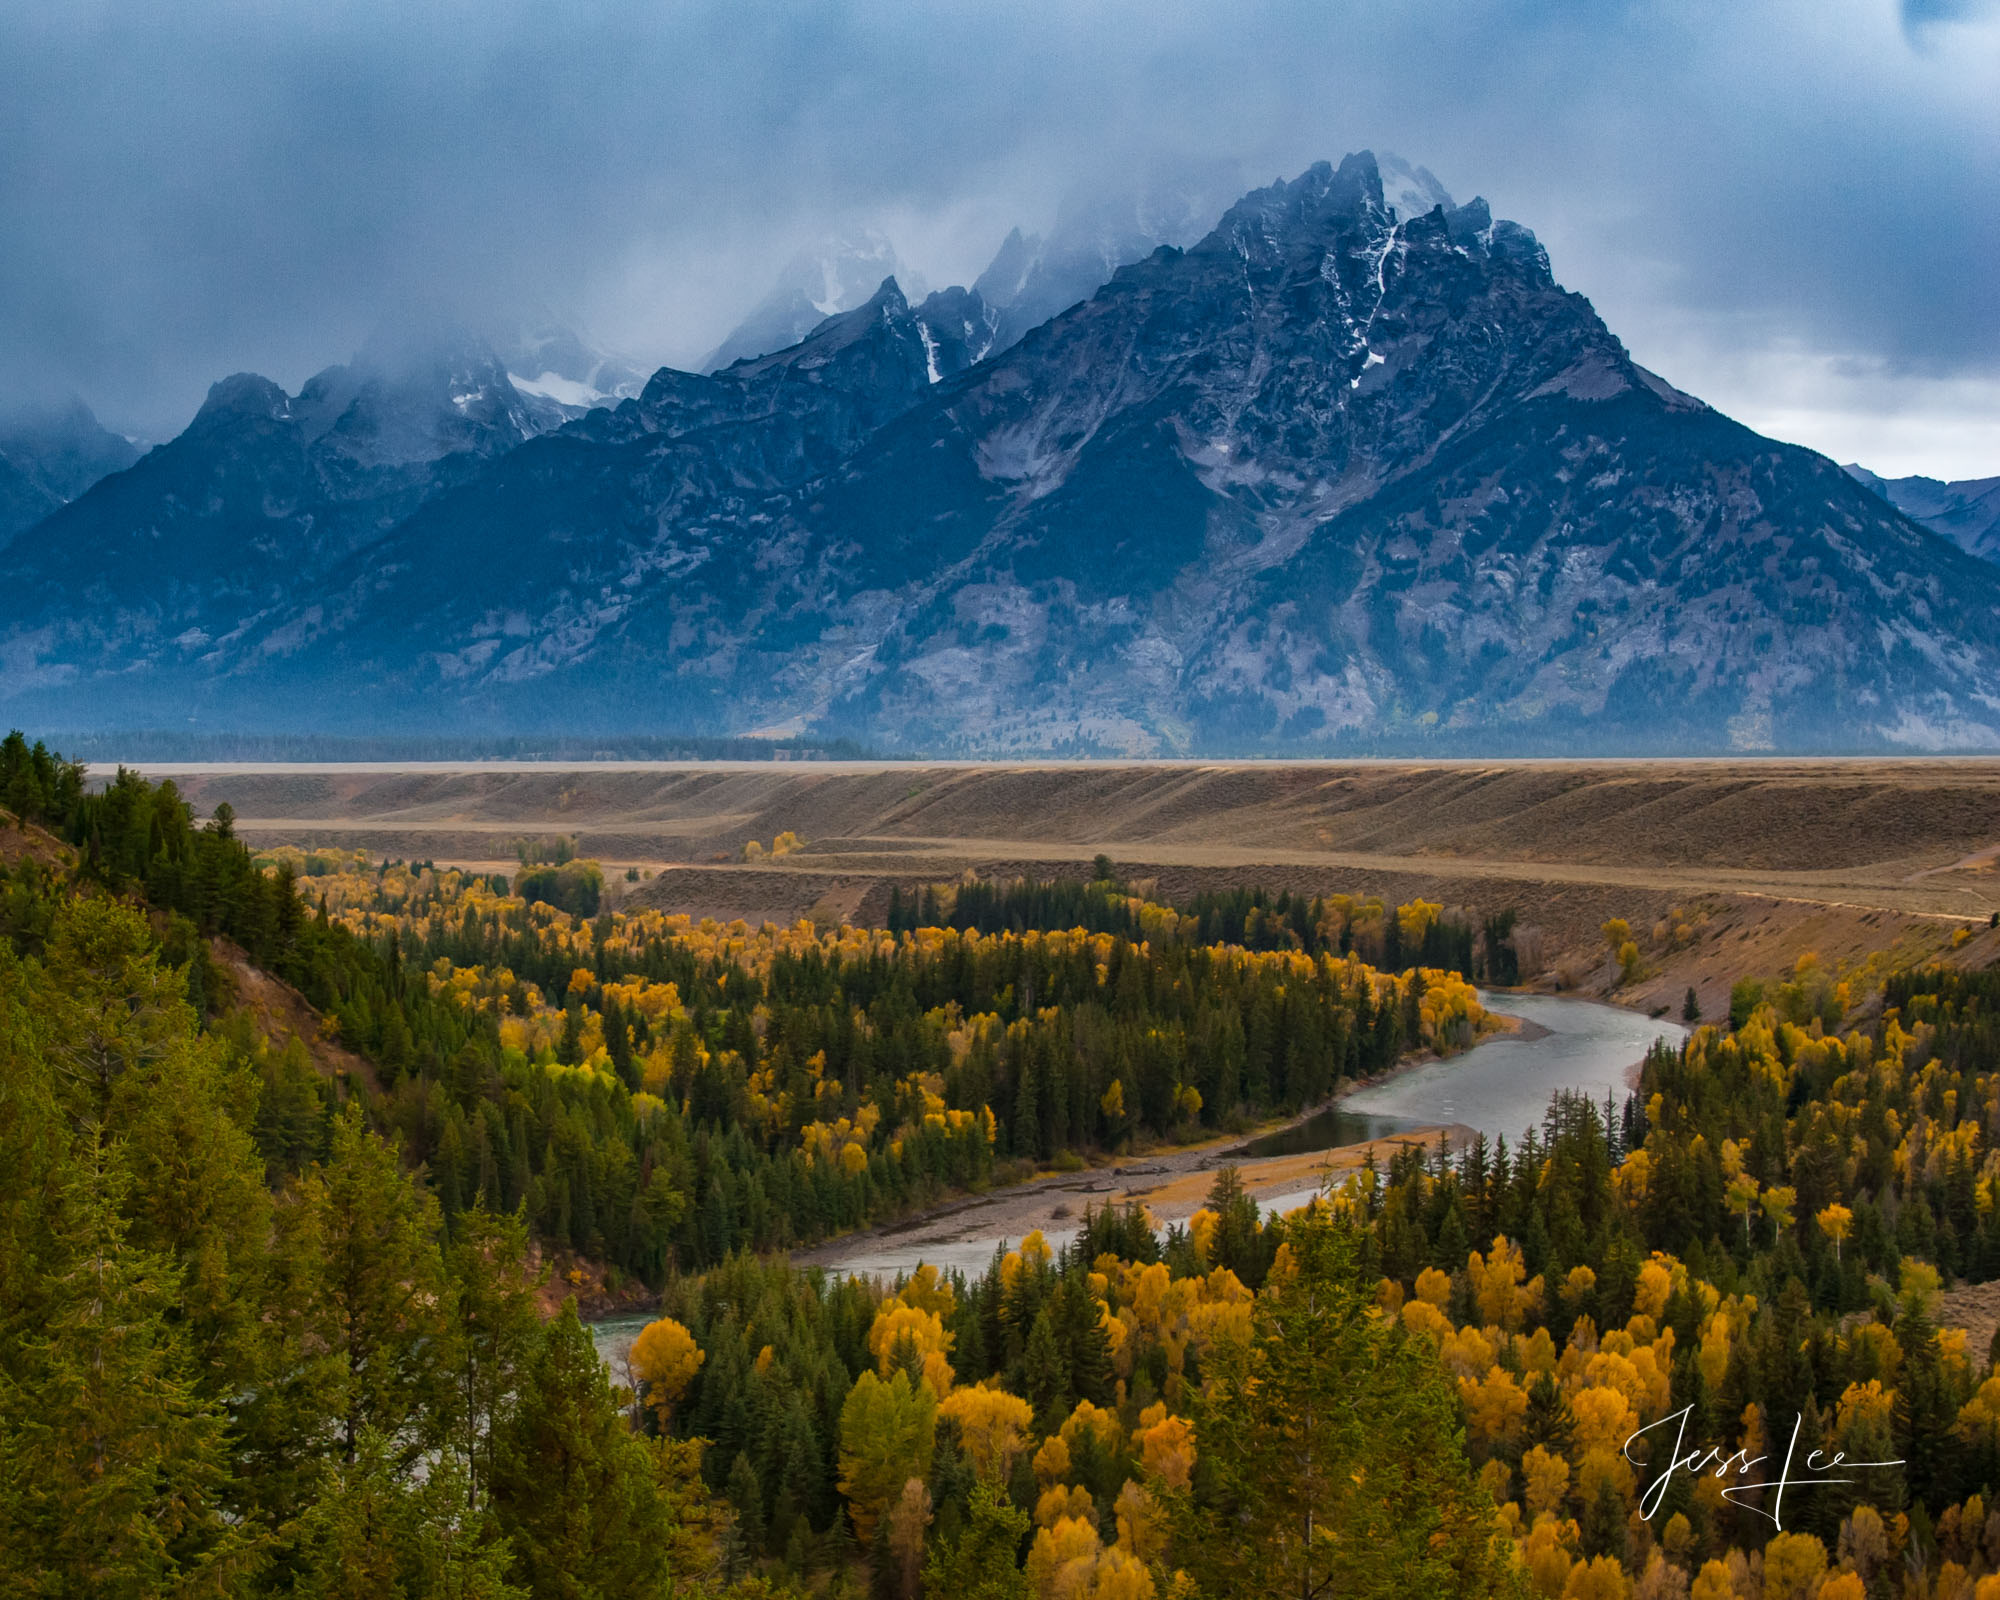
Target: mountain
[
  {"x": 1333, "y": 479},
  {"x": 165, "y": 563},
  {"x": 1033, "y": 278},
  {"x": 48, "y": 457},
  {"x": 1966, "y": 512},
  {"x": 835, "y": 276},
  {"x": 550, "y": 362}
]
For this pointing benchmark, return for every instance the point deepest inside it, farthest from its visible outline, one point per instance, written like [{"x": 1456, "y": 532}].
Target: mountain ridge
[
  {"x": 1331, "y": 479},
  {"x": 1966, "y": 511}
]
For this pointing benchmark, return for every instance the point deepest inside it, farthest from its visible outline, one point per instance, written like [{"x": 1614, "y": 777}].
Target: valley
[{"x": 1781, "y": 856}]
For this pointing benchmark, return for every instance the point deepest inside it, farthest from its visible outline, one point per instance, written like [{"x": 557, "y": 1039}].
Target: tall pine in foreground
[
  {"x": 574, "y": 1488},
  {"x": 113, "y": 1467},
  {"x": 1331, "y": 1457}
]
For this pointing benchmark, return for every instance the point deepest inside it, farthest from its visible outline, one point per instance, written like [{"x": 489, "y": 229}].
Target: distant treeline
[
  {"x": 1391, "y": 939},
  {"x": 168, "y": 744}
]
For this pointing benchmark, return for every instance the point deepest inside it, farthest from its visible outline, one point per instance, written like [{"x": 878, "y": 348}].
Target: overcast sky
[{"x": 1791, "y": 209}]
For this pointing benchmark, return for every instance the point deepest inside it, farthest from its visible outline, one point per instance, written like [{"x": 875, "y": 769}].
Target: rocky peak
[
  {"x": 821, "y": 281},
  {"x": 51, "y": 454},
  {"x": 241, "y": 397}
]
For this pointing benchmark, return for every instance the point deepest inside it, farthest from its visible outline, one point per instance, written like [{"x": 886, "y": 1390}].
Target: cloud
[
  {"x": 235, "y": 184},
  {"x": 1917, "y": 13}
]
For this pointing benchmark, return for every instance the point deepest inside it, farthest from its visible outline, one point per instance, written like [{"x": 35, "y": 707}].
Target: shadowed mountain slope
[{"x": 1337, "y": 477}]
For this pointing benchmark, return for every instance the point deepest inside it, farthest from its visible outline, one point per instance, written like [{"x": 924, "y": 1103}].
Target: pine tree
[
  {"x": 361, "y": 1237},
  {"x": 573, "y": 1488},
  {"x": 494, "y": 1330},
  {"x": 1331, "y": 1457},
  {"x": 1044, "y": 1373},
  {"x": 1082, "y": 1341},
  {"x": 983, "y": 1562},
  {"x": 370, "y": 1531},
  {"x": 113, "y": 1467}
]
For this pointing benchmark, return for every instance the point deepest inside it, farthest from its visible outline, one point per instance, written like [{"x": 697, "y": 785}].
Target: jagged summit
[
  {"x": 1348, "y": 472},
  {"x": 836, "y": 275},
  {"x": 1967, "y": 512},
  {"x": 50, "y": 454}
]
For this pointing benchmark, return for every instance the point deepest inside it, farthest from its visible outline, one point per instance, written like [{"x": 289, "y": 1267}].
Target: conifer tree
[
  {"x": 983, "y": 1562},
  {"x": 573, "y": 1488},
  {"x": 1044, "y": 1374},
  {"x": 1082, "y": 1341},
  {"x": 362, "y": 1238},
  {"x": 113, "y": 1467},
  {"x": 1330, "y": 1455},
  {"x": 494, "y": 1330}
]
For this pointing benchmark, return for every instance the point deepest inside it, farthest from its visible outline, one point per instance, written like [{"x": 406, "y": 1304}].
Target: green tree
[
  {"x": 1330, "y": 1455},
  {"x": 361, "y": 1238},
  {"x": 887, "y": 1430},
  {"x": 983, "y": 1562},
  {"x": 573, "y": 1488},
  {"x": 494, "y": 1329},
  {"x": 370, "y": 1532},
  {"x": 113, "y": 1467}
]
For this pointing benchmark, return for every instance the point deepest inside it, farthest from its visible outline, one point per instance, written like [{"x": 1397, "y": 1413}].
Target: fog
[{"x": 1791, "y": 209}]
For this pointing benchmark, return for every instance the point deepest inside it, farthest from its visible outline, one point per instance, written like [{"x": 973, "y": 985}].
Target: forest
[
  {"x": 261, "y": 1333},
  {"x": 654, "y": 1092}
]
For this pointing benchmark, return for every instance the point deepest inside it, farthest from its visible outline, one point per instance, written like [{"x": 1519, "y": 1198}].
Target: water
[
  {"x": 1501, "y": 1087},
  {"x": 613, "y": 1338},
  {"x": 1323, "y": 1130}
]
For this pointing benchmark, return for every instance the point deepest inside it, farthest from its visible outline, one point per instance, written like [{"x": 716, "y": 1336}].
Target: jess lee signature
[{"x": 1814, "y": 1472}]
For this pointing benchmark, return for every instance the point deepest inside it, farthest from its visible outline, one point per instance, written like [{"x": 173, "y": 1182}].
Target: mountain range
[
  {"x": 1966, "y": 512},
  {"x": 1349, "y": 471},
  {"x": 50, "y": 455}
]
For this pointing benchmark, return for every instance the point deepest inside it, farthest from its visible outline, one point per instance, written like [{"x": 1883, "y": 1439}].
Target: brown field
[{"x": 1761, "y": 859}]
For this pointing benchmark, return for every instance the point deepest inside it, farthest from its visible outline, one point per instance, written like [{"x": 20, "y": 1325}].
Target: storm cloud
[{"x": 1792, "y": 209}]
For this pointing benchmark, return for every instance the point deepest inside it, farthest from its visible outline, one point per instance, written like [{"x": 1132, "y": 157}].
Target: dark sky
[{"x": 1791, "y": 209}]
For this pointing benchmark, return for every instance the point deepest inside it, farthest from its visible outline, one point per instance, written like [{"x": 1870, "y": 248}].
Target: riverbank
[{"x": 1499, "y": 1087}]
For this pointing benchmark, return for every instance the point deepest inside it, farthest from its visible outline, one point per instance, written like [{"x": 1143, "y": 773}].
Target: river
[{"x": 1500, "y": 1087}]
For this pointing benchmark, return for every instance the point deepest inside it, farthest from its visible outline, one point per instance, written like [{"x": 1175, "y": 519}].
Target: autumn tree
[
  {"x": 887, "y": 1429},
  {"x": 665, "y": 1359},
  {"x": 993, "y": 1427}
]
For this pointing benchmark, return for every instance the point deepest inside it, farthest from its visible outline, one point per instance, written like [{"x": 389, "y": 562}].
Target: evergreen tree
[
  {"x": 1082, "y": 1342},
  {"x": 494, "y": 1330},
  {"x": 361, "y": 1239},
  {"x": 1330, "y": 1449},
  {"x": 983, "y": 1562},
  {"x": 1044, "y": 1374},
  {"x": 572, "y": 1487},
  {"x": 113, "y": 1468}
]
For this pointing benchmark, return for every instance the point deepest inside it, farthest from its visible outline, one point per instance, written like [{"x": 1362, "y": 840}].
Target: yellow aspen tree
[
  {"x": 665, "y": 1359},
  {"x": 992, "y": 1428}
]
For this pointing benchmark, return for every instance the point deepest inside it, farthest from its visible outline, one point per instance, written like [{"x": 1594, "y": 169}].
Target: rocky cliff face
[
  {"x": 1345, "y": 475},
  {"x": 164, "y": 568}
]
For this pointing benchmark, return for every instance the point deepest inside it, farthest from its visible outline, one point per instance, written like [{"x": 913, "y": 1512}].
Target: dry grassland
[{"x": 1759, "y": 859}]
